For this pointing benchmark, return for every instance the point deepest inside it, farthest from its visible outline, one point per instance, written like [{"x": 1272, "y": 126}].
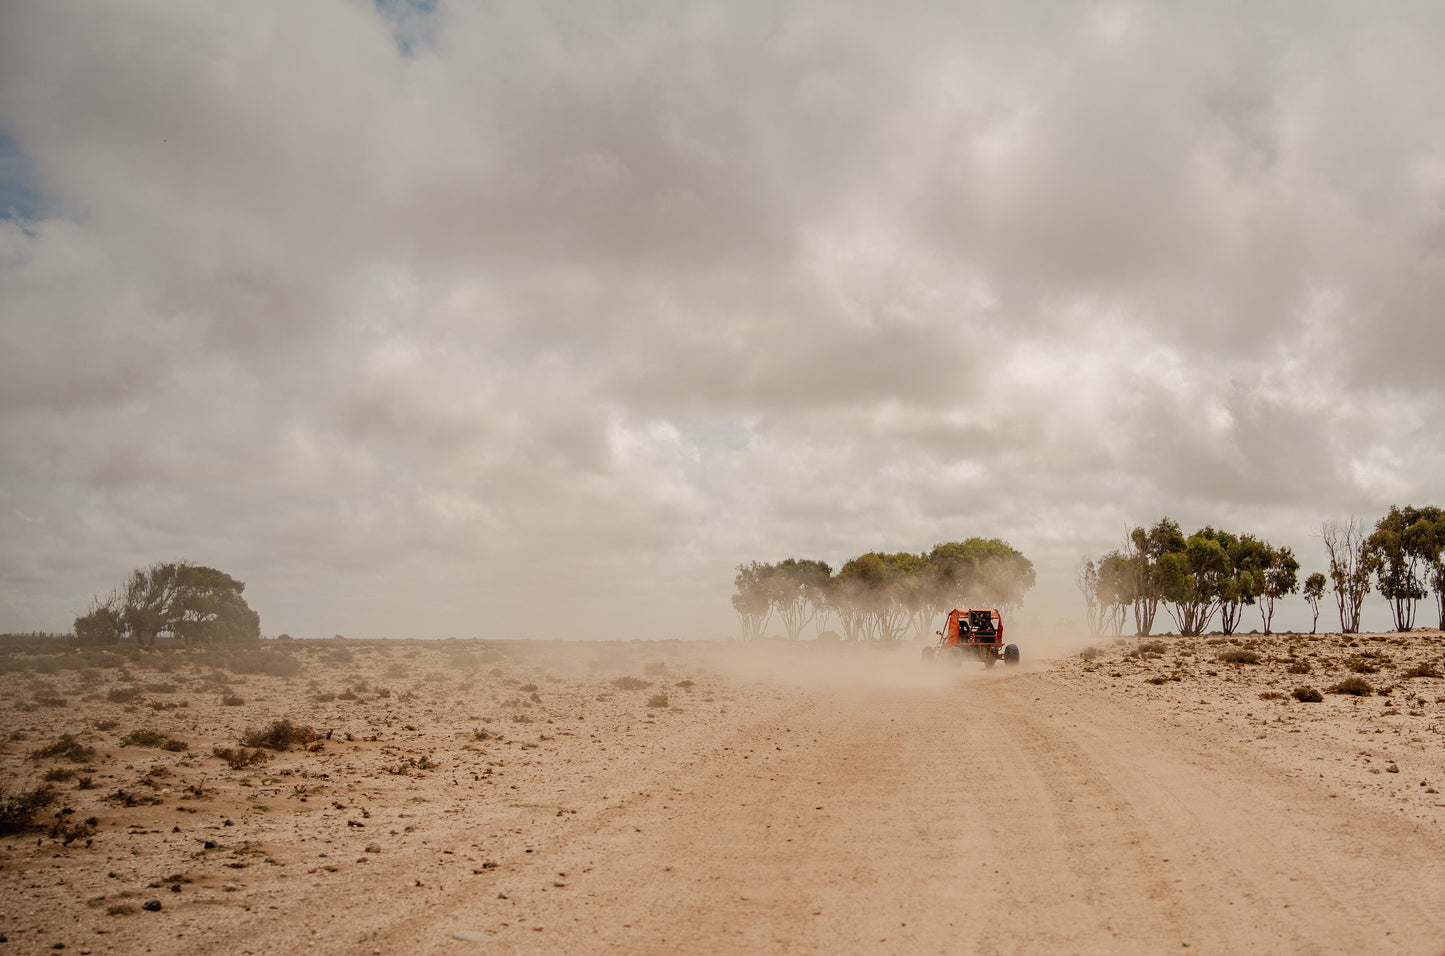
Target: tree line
[
  {"x": 880, "y": 596},
  {"x": 188, "y": 602},
  {"x": 1217, "y": 574}
]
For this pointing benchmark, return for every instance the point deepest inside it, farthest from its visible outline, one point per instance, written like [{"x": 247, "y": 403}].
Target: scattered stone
[
  {"x": 1392, "y": 769},
  {"x": 152, "y": 905}
]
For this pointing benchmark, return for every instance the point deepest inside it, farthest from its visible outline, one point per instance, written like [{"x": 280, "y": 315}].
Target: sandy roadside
[{"x": 653, "y": 797}]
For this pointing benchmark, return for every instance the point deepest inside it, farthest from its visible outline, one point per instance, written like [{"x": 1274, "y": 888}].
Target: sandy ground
[{"x": 494, "y": 797}]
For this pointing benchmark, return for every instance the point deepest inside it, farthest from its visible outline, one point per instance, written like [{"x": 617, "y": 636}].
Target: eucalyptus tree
[
  {"x": 753, "y": 598},
  {"x": 1351, "y": 561},
  {"x": 1314, "y": 591},
  {"x": 1194, "y": 581},
  {"x": 795, "y": 590},
  {"x": 1280, "y": 577},
  {"x": 1404, "y": 545}
]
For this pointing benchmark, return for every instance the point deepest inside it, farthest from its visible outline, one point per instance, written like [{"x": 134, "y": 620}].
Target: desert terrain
[{"x": 1142, "y": 795}]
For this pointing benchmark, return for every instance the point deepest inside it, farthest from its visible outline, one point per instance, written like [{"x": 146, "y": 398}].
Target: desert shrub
[
  {"x": 58, "y": 774},
  {"x": 266, "y": 663},
  {"x": 175, "y": 746},
  {"x": 1360, "y": 665},
  {"x": 1423, "y": 670},
  {"x": 1357, "y": 686},
  {"x": 1299, "y": 667},
  {"x": 1271, "y": 695},
  {"x": 1307, "y": 695},
  {"x": 631, "y": 683},
  {"x": 232, "y": 700},
  {"x": 657, "y": 700},
  {"x": 68, "y": 831},
  {"x": 106, "y": 724},
  {"x": 1089, "y": 653},
  {"x": 123, "y": 695},
  {"x": 66, "y": 747},
  {"x": 279, "y": 735},
  {"x": 241, "y": 758},
  {"x": 18, "y": 810},
  {"x": 1237, "y": 655},
  {"x": 161, "y": 688},
  {"x": 1152, "y": 647},
  {"x": 143, "y": 738}
]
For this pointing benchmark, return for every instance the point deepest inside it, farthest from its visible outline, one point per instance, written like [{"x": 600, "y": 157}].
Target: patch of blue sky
[
  {"x": 413, "y": 23},
  {"x": 21, "y": 198}
]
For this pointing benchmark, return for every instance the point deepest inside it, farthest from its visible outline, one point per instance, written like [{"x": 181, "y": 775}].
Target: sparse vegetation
[
  {"x": 19, "y": 809},
  {"x": 1237, "y": 655},
  {"x": 657, "y": 700},
  {"x": 631, "y": 683},
  {"x": 152, "y": 738},
  {"x": 1307, "y": 695},
  {"x": 1357, "y": 686},
  {"x": 278, "y": 735},
  {"x": 241, "y": 758},
  {"x": 66, "y": 748}
]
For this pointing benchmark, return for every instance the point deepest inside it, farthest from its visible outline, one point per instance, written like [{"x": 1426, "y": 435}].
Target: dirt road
[
  {"x": 544, "y": 797},
  {"x": 996, "y": 815}
]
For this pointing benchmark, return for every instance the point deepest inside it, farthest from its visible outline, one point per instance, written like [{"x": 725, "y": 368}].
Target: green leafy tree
[
  {"x": 192, "y": 603},
  {"x": 1432, "y": 545},
  {"x": 1194, "y": 581},
  {"x": 860, "y": 592},
  {"x": 1403, "y": 542},
  {"x": 1145, "y": 552},
  {"x": 1314, "y": 591},
  {"x": 1107, "y": 588},
  {"x": 1280, "y": 577},
  {"x": 796, "y": 591},
  {"x": 1351, "y": 562},
  {"x": 753, "y": 598},
  {"x": 101, "y": 624},
  {"x": 980, "y": 572}
]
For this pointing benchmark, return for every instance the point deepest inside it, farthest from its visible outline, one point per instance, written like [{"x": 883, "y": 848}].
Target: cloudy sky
[{"x": 533, "y": 319}]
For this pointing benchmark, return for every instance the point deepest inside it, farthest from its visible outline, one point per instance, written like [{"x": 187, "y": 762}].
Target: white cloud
[{"x": 416, "y": 320}]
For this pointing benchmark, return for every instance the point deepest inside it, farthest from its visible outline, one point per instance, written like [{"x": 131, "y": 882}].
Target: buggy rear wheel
[{"x": 1011, "y": 654}]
